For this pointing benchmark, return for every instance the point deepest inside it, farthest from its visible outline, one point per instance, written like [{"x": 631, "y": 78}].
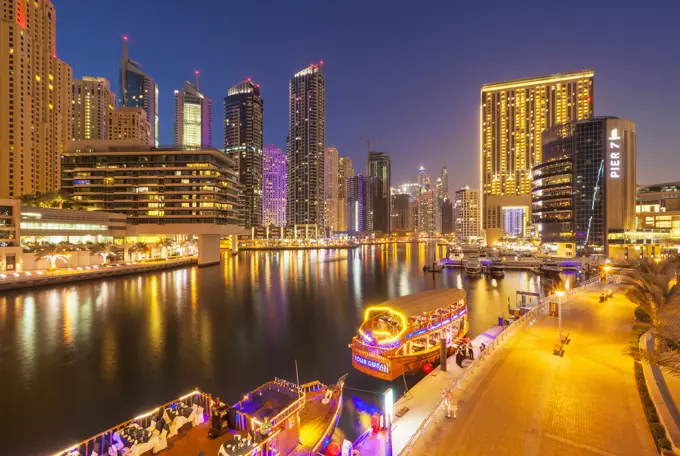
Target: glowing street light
[
  {"x": 606, "y": 268},
  {"x": 559, "y": 294}
]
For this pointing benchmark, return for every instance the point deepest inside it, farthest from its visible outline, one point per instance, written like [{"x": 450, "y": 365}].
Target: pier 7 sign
[
  {"x": 372, "y": 364},
  {"x": 614, "y": 152}
]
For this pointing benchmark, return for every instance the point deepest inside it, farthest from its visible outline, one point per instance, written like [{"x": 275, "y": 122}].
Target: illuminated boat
[
  {"x": 473, "y": 266},
  {"x": 401, "y": 335},
  {"x": 302, "y": 420}
]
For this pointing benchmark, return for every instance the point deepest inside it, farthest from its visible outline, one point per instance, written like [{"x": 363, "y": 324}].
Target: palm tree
[
  {"x": 141, "y": 249},
  {"x": 188, "y": 247},
  {"x": 52, "y": 253},
  {"x": 165, "y": 244},
  {"x": 654, "y": 290},
  {"x": 105, "y": 251}
]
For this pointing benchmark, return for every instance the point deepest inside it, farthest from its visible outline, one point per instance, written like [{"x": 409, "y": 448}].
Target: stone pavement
[{"x": 527, "y": 401}]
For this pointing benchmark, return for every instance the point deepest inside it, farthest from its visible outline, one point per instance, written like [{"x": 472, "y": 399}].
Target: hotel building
[
  {"x": 345, "y": 170},
  {"x": 163, "y": 191},
  {"x": 274, "y": 186},
  {"x": 466, "y": 222},
  {"x": 513, "y": 116},
  {"x": 138, "y": 90},
  {"x": 584, "y": 189},
  {"x": 193, "y": 117},
  {"x": 243, "y": 140},
  {"x": 35, "y": 99},
  {"x": 92, "y": 100},
  {"x": 305, "y": 146},
  {"x": 331, "y": 164},
  {"x": 379, "y": 170},
  {"x": 129, "y": 124}
]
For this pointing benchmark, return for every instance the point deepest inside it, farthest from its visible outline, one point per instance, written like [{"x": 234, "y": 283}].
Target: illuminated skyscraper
[
  {"x": 243, "y": 139},
  {"x": 445, "y": 181},
  {"x": 513, "y": 115},
  {"x": 345, "y": 170},
  {"x": 138, "y": 90},
  {"x": 274, "y": 186},
  {"x": 466, "y": 214},
  {"x": 305, "y": 146},
  {"x": 129, "y": 124},
  {"x": 331, "y": 187},
  {"x": 379, "y": 204},
  {"x": 356, "y": 204},
  {"x": 35, "y": 99},
  {"x": 423, "y": 180},
  {"x": 193, "y": 117},
  {"x": 92, "y": 100}
]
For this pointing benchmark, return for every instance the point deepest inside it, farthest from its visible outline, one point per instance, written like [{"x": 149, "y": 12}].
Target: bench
[
  {"x": 558, "y": 349},
  {"x": 565, "y": 339}
]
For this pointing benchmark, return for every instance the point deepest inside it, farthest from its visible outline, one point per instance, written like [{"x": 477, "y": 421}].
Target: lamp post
[
  {"x": 606, "y": 268},
  {"x": 559, "y": 294}
]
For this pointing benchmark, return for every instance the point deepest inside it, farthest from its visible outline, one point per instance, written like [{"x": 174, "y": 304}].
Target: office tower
[
  {"x": 513, "y": 115},
  {"x": 445, "y": 180},
  {"x": 129, "y": 124},
  {"x": 379, "y": 174},
  {"x": 401, "y": 212},
  {"x": 423, "y": 180},
  {"x": 138, "y": 90},
  {"x": 412, "y": 189},
  {"x": 584, "y": 189},
  {"x": 35, "y": 99},
  {"x": 427, "y": 212},
  {"x": 447, "y": 216},
  {"x": 305, "y": 145},
  {"x": 331, "y": 187},
  {"x": 439, "y": 190},
  {"x": 193, "y": 117},
  {"x": 467, "y": 224},
  {"x": 415, "y": 214},
  {"x": 356, "y": 204},
  {"x": 91, "y": 101},
  {"x": 345, "y": 170},
  {"x": 275, "y": 175},
  {"x": 243, "y": 138}
]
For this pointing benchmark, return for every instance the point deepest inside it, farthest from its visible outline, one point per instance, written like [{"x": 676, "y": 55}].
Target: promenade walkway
[{"x": 528, "y": 402}]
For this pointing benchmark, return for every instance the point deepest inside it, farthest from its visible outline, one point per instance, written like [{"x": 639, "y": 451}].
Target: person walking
[
  {"x": 449, "y": 403},
  {"x": 459, "y": 357},
  {"x": 471, "y": 352}
]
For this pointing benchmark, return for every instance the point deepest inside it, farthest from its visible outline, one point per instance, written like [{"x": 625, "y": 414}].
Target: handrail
[{"x": 527, "y": 318}]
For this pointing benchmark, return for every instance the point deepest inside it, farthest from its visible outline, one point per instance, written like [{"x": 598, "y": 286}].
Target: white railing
[{"x": 525, "y": 320}]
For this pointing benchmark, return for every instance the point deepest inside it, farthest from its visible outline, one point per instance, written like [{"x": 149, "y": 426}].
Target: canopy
[{"x": 425, "y": 301}]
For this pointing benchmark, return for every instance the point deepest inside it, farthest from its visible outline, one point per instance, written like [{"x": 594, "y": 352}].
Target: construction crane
[{"x": 368, "y": 143}]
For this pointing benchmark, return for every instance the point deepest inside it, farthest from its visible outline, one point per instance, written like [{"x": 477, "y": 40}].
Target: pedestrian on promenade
[
  {"x": 449, "y": 403},
  {"x": 481, "y": 347},
  {"x": 471, "y": 352},
  {"x": 459, "y": 357}
]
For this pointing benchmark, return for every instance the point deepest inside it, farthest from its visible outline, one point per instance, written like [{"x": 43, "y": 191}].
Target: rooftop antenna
[{"x": 196, "y": 79}]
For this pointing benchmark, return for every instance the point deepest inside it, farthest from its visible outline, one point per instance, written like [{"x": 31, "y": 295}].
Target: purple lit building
[
  {"x": 274, "y": 186},
  {"x": 357, "y": 188}
]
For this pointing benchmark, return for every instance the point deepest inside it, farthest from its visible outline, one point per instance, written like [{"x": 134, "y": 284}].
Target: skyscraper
[
  {"x": 401, "y": 212},
  {"x": 345, "y": 170},
  {"x": 274, "y": 186},
  {"x": 427, "y": 212},
  {"x": 129, "y": 124},
  {"x": 35, "y": 99},
  {"x": 466, "y": 215},
  {"x": 193, "y": 117},
  {"x": 356, "y": 204},
  {"x": 305, "y": 146},
  {"x": 243, "y": 138},
  {"x": 92, "y": 99},
  {"x": 379, "y": 170},
  {"x": 331, "y": 187},
  {"x": 513, "y": 115},
  {"x": 447, "y": 216},
  {"x": 445, "y": 181},
  {"x": 138, "y": 90},
  {"x": 423, "y": 179}
]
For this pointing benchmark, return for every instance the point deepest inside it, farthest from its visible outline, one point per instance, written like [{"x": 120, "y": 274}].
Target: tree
[
  {"x": 166, "y": 244},
  {"x": 52, "y": 253},
  {"x": 188, "y": 247},
  {"x": 105, "y": 251},
  {"x": 654, "y": 289},
  {"x": 141, "y": 249}
]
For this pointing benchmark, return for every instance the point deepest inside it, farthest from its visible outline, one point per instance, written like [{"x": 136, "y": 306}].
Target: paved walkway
[{"x": 528, "y": 402}]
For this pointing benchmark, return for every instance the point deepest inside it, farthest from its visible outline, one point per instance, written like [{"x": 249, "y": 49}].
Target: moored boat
[
  {"x": 497, "y": 268},
  {"x": 549, "y": 266},
  {"x": 278, "y": 417},
  {"x": 401, "y": 335},
  {"x": 473, "y": 266}
]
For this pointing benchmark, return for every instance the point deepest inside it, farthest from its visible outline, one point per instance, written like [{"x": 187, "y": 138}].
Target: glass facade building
[
  {"x": 193, "y": 117},
  {"x": 138, "y": 90}
]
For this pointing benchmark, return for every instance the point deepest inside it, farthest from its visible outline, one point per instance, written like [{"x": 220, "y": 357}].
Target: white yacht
[{"x": 473, "y": 266}]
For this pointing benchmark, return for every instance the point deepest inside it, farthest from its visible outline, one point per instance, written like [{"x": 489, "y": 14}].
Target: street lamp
[
  {"x": 606, "y": 268},
  {"x": 559, "y": 294}
]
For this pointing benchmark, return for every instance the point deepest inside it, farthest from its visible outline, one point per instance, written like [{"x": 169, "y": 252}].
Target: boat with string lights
[
  {"x": 277, "y": 418},
  {"x": 402, "y": 335}
]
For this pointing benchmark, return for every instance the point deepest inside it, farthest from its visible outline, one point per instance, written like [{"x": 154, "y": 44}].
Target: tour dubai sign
[{"x": 614, "y": 154}]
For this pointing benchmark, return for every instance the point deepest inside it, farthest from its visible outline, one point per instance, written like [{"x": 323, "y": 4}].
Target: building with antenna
[
  {"x": 138, "y": 90},
  {"x": 193, "y": 117}
]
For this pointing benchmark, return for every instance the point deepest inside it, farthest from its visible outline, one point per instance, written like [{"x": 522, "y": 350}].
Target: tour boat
[
  {"x": 401, "y": 335},
  {"x": 497, "y": 268},
  {"x": 456, "y": 254},
  {"x": 473, "y": 266},
  {"x": 301, "y": 419}
]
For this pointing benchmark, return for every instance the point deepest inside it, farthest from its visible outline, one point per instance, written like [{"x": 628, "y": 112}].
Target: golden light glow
[
  {"x": 381, "y": 309},
  {"x": 146, "y": 414},
  {"x": 533, "y": 81}
]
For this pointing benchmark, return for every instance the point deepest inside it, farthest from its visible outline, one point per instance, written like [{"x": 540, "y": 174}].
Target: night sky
[{"x": 406, "y": 74}]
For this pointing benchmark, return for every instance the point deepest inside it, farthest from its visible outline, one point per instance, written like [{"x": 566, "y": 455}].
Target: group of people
[{"x": 464, "y": 351}]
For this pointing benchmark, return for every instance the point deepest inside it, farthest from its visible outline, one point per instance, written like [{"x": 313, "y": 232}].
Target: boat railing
[
  {"x": 312, "y": 387},
  {"x": 525, "y": 320},
  {"x": 85, "y": 447}
]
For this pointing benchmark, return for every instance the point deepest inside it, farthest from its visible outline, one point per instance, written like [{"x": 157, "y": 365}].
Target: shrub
[
  {"x": 658, "y": 431},
  {"x": 642, "y": 315}
]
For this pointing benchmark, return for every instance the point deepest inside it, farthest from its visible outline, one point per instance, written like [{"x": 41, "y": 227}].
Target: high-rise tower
[
  {"x": 379, "y": 180},
  {"x": 193, "y": 117},
  {"x": 92, "y": 100},
  {"x": 513, "y": 115},
  {"x": 345, "y": 171},
  {"x": 331, "y": 187},
  {"x": 243, "y": 139},
  {"x": 35, "y": 99},
  {"x": 305, "y": 146},
  {"x": 138, "y": 90},
  {"x": 274, "y": 195}
]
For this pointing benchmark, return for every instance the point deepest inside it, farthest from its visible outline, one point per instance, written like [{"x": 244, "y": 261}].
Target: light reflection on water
[{"x": 97, "y": 353}]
